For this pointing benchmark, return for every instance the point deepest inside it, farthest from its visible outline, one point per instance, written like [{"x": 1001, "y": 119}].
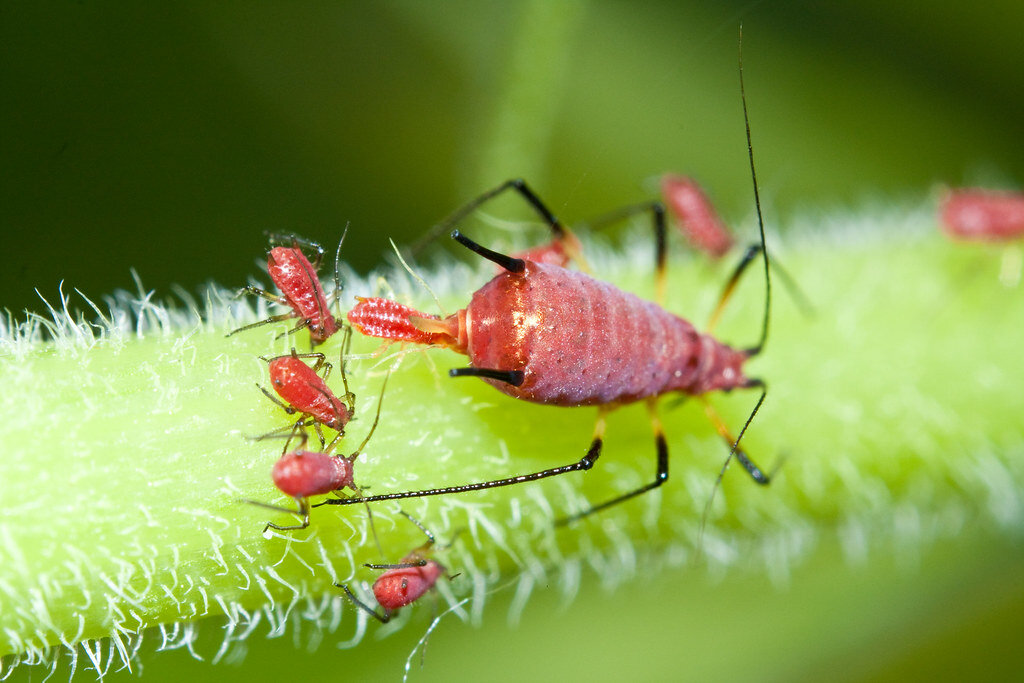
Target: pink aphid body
[
  {"x": 403, "y": 586},
  {"x": 387, "y": 319},
  {"x": 300, "y": 286},
  {"x": 306, "y": 473},
  {"x": 541, "y": 333},
  {"x": 301, "y": 388},
  {"x": 695, "y": 215},
  {"x": 983, "y": 215},
  {"x": 574, "y": 339}
]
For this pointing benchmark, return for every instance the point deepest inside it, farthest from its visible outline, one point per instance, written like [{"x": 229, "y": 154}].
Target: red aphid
[
  {"x": 297, "y": 278},
  {"x": 403, "y": 586},
  {"x": 983, "y": 215},
  {"x": 573, "y": 340},
  {"x": 307, "y": 473},
  {"x": 304, "y": 391},
  {"x": 301, "y": 474},
  {"x": 545, "y": 334},
  {"x": 403, "y": 583},
  {"x": 695, "y": 215}
]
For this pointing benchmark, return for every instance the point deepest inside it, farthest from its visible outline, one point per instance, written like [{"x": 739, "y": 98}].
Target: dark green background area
[{"x": 168, "y": 138}]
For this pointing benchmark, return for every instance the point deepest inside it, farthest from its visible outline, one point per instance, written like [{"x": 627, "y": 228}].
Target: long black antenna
[{"x": 760, "y": 220}]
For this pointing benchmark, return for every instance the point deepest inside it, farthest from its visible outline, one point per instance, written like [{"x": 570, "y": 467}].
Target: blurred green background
[{"x": 168, "y": 138}]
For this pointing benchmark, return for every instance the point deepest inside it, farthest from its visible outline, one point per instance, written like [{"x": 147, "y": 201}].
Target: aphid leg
[
  {"x": 268, "y": 321},
  {"x": 284, "y": 406},
  {"x": 660, "y": 477},
  {"x": 513, "y": 265},
  {"x": 263, "y": 294},
  {"x": 513, "y": 377},
  {"x": 302, "y": 511},
  {"x": 585, "y": 463},
  {"x": 657, "y": 210},
  {"x": 301, "y": 325},
  {"x": 382, "y": 618},
  {"x": 558, "y": 230},
  {"x": 755, "y": 472},
  {"x": 752, "y": 252},
  {"x": 734, "y": 450},
  {"x": 276, "y": 239}
]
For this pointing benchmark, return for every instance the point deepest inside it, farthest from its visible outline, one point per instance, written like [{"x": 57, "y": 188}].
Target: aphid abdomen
[
  {"x": 580, "y": 341},
  {"x": 305, "y": 473},
  {"x": 403, "y": 586},
  {"x": 299, "y": 386},
  {"x": 695, "y": 215},
  {"x": 295, "y": 276}
]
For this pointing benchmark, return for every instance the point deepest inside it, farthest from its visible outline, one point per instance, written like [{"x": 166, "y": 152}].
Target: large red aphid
[
  {"x": 544, "y": 334},
  {"x": 297, "y": 278},
  {"x": 983, "y": 215},
  {"x": 695, "y": 215},
  {"x": 403, "y": 583}
]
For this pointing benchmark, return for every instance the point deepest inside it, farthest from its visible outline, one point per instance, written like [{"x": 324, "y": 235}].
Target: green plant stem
[{"x": 896, "y": 408}]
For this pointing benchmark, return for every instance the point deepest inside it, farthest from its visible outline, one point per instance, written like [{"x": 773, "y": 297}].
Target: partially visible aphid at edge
[
  {"x": 301, "y": 474},
  {"x": 403, "y": 583},
  {"x": 303, "y": 390},
  {"x": 548, "y": 335},
  {"x": 982, "y": 215},
  {"x": 297, "y": 278}
]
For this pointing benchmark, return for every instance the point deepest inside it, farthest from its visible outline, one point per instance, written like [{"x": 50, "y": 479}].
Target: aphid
[
  {"x": 403, "y": 583},
  {"x": 983, "y": 215},
  {"x": 303, "y": 473},
  {"x": 545, "y": 334},
  {"x": 303, "y": 390},
  {"x": 296, "y": 277},
  {"x": 695, "y": 215}
]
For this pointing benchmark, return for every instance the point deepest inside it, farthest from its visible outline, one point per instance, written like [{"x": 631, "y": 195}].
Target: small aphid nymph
[
  {"x": 297, "y": 278},
  {"x": 982, "y": 215},
  {"x": 403, "y": 583},
  {"x": 302, "y": 390}
]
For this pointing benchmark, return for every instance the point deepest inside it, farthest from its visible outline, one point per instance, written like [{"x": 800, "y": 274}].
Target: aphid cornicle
[
  {"x": 403, "y": 583},
  {"x": 544, "y": 334},
  {"x": 297, "y": 278}
]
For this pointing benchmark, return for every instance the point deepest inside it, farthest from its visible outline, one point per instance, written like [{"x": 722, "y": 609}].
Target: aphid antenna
[
  {"x": 416, "y": 276},
  {"x": 336, "y": 294},
  {"x": 760, "y": 218},
  {"x": 382, "y": 618}
]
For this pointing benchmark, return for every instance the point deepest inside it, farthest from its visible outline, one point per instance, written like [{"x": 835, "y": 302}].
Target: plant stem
[{"x": 896, "y": 407}]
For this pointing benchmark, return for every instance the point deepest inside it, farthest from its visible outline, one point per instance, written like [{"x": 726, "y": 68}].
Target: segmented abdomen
[
  {"x": 580, "y": 341},
  {"x": 295, "y": 276}
]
